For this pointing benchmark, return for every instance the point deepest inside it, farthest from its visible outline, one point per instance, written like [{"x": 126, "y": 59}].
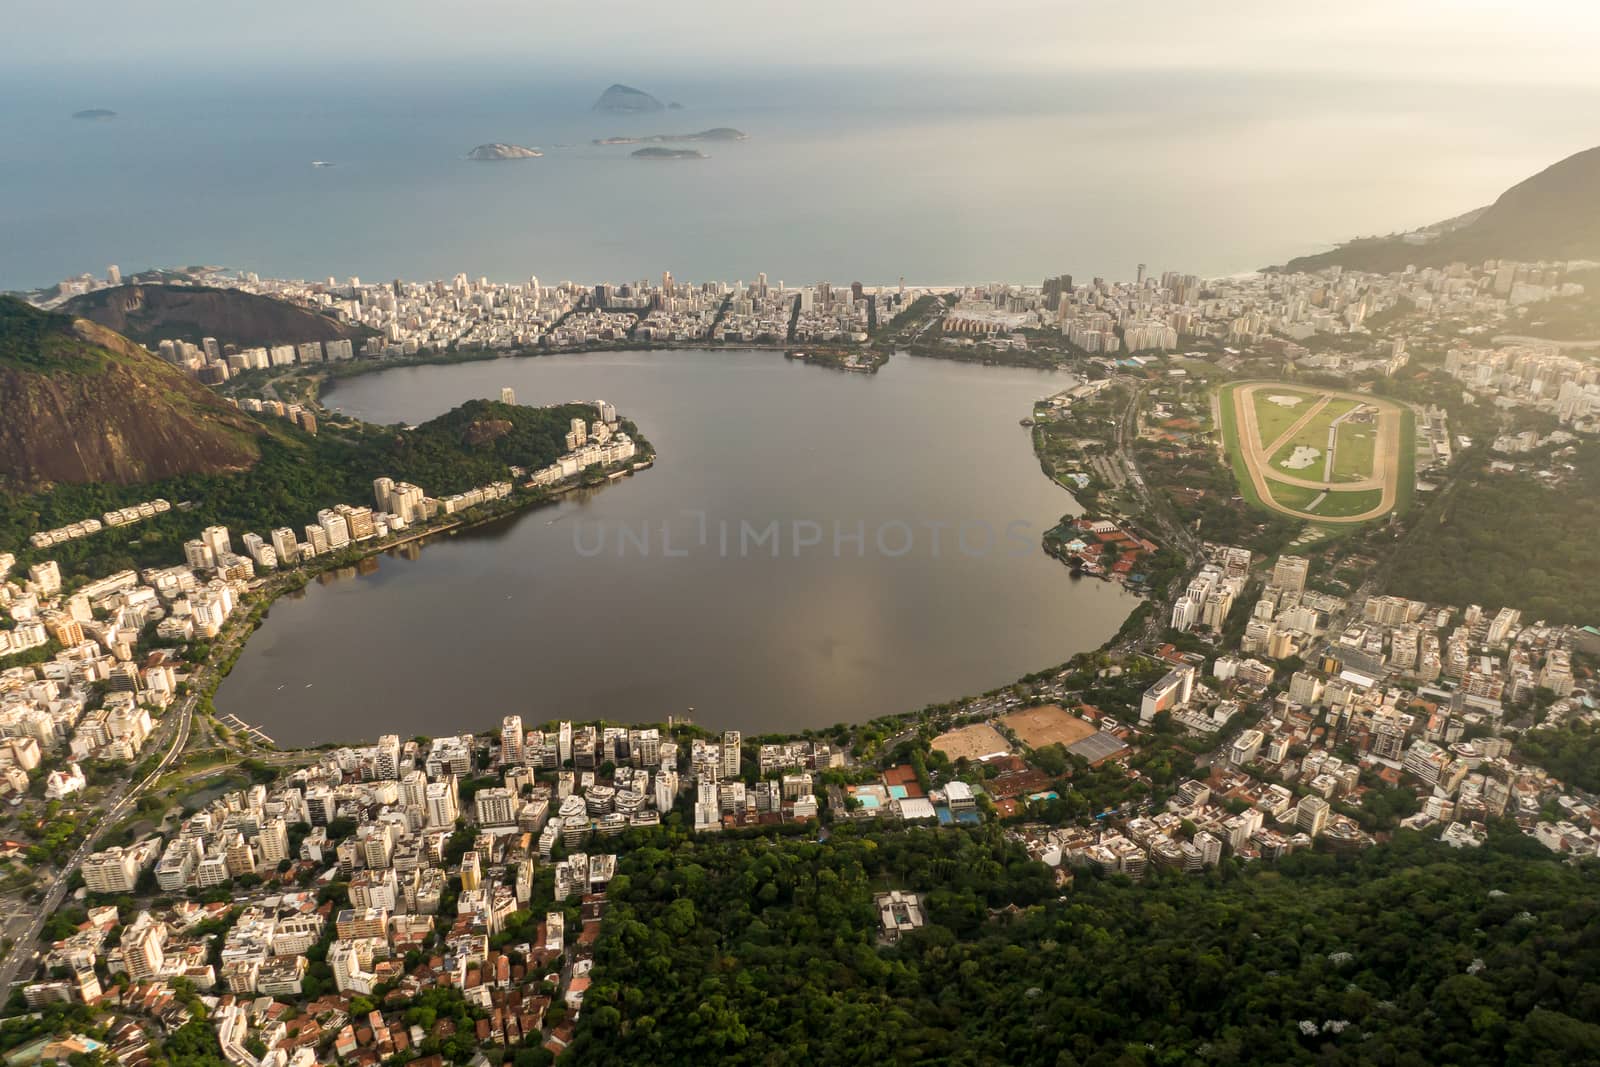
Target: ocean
[{"x": 844, "y": 177}]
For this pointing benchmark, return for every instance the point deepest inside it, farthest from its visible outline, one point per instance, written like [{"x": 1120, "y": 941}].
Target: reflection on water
[
  {"x": 410, "y": 551},
  {"x": 511, "y": 616}
]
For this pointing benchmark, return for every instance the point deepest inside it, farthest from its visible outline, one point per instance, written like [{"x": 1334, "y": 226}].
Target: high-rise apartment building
[
  {"x": 441, "y": 805},
  {"x": 387, "y": 764},
  {"x": 1289, "y": 573},
  {"x": 511, "y": 740},
  {"x": 495, "y": 806}
]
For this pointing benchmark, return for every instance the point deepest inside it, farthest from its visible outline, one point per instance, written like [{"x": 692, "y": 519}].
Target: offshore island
[
  {"x": 721, "y": 133},
  {"x": 667, "y": 153},
  {"x": 625, "y": 99},
  {"x": 498, "y": 151},
  {"x": 1328, "y": 796}
]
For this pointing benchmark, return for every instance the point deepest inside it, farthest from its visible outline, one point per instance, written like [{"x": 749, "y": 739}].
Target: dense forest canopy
[
  {"x": 1487, "y": 548},
  {"x": 764, "y": 951},
  {"x": 1570, "y": 752}
]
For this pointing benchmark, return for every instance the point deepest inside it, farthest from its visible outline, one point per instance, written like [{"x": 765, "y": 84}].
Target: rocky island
[
  {"x": 498, "y": 151},
  {"x": 627, "y": 99},
  {"x": 94, "y": 113},
  {"x": 720, "y": 133},
  {"x": 668, "y": 153}
]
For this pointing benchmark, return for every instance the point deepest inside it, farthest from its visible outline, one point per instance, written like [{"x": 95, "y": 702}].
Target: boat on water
[{"x": 320, "y": 163}]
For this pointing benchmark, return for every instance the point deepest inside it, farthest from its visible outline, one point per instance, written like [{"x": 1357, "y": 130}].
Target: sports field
[
  {"x": 1049, "y": 724},
  {"x": 1277, "y": 410},
  {"x": 1308, "y": 436},
  {"x": 971, "y": 742},
  {"x": 1340, "y": 505},
  {"x": 1324, "y": 455},
  {"x": 1358, "y": 438},
  {"x": 1299, "y": 497}
]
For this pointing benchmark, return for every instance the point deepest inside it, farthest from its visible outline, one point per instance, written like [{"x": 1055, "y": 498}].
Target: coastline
[{"x": 876, "y": 355}]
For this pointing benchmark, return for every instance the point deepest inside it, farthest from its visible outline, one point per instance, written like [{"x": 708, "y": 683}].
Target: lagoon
[{"x": 811, "y": 547}]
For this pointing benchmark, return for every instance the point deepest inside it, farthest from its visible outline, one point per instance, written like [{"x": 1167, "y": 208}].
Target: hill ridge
[
  {"x": 148, "y": 313},
  {"x": 86, "y": 405},
  {"x": 1551, "y": 215}
]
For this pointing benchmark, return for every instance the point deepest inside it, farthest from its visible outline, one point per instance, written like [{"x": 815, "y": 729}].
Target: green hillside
[
  {"x": 296, "y": 475},
  {"x": 1554, "y": 215}
]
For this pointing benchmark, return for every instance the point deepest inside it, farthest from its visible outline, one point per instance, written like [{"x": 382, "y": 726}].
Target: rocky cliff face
[
  {"x": 84, "y": 404},
  {"x": 498, "y": 151},
  {"x": 151, "y": 313}
]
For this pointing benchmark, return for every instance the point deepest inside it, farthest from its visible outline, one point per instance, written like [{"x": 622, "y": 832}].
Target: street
[{"x": 23, "y": 950}]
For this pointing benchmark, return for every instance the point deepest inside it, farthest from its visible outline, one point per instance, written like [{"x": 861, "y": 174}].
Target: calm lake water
[{"x": 558, "y": 613}]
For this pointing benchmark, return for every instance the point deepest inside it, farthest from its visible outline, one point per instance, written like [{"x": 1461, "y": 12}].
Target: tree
[
  {"x": 783, "y": 941},
  {"x": 532, "y": 1056}
]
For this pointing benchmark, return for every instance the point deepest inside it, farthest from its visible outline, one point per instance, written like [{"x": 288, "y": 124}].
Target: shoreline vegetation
[
  {"x": 297, "y": 473},
  {"x": 473, "y": 444}
]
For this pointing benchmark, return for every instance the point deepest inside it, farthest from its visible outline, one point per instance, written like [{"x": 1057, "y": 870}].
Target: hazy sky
[
  {"x": 1210, "y": 137},
  {"x": 1533, "y": 41}
]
